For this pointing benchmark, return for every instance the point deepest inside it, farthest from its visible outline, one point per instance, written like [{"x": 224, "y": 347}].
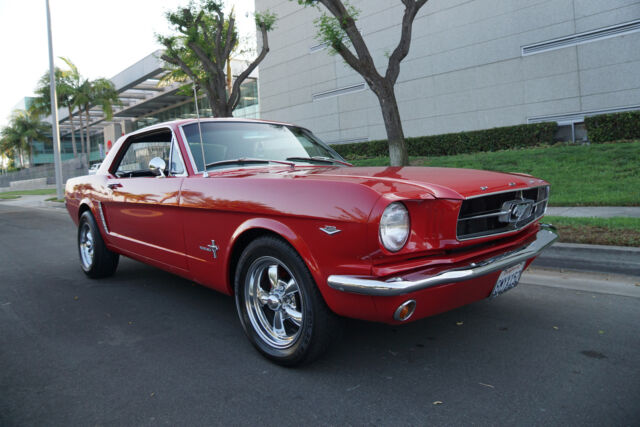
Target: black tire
[
  {"x": 294, "y": 340},
  {"x": 95, "y": 259}
]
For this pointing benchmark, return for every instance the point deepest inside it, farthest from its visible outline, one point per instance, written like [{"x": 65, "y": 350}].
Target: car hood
[{"x": 423, "y": 182}]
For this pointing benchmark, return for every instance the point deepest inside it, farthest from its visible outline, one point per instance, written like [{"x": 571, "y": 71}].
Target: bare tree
[
  {"x": 340, "y": 32},
  {"x": 203, "y": 45}
]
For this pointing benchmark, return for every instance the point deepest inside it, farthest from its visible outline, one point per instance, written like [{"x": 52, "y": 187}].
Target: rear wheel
[
  {"x": 95, "y": 259},
  {"x": 280, "y": 307}
]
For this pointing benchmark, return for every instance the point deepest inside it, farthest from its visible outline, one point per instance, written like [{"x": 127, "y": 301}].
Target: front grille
[{"x": 501, "y": 212}]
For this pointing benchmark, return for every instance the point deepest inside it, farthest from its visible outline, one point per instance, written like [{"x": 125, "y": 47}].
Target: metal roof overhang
[{"x": 156, "y": 101}]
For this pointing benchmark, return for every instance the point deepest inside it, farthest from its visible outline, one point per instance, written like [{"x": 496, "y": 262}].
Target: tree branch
[
  {"x": 220, "y": 27},
  {"x": 402, "y": 50},
  {"x": 211, "y": 66},
  {"x": 234, "y": 97},
  {"x": 348, "y": 24},
  {"x": 228, "y": 44},
  {"x": 183, "y": 66}
]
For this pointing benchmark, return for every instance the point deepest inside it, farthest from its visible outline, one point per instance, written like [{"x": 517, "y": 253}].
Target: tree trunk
[
  {"x": 88, "y": 138},
  {"x": 30, "y": 143},
  {"x": 82, "y": 138},
  {"x": 229, "y": 77},
  {"x": 393, "y": 126},
  {"x": 73, "y": 132},
  {"x": 219, "y": 108}
]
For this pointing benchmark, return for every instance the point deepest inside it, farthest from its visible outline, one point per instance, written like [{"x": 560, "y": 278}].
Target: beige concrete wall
[{"x": 465, "y": 70}]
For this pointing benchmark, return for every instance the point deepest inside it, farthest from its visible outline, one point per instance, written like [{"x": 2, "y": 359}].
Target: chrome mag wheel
[
  {"x": 273, "y": 302},
  {"x": 86, "y": 246}
]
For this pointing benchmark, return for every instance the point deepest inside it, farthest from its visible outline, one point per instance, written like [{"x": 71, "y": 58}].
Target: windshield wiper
[
  {"x": 319, "y": 159},
  {"x": 243, "y": 161}
]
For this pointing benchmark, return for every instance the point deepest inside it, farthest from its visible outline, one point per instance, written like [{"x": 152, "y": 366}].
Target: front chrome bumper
[{"x": 398, "y": 286}]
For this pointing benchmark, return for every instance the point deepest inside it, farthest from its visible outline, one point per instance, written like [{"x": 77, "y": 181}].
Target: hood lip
[{"x": 541, "y": 183}]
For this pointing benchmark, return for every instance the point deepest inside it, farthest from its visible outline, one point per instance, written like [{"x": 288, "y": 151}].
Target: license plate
[{"x": 508, "y": 279}]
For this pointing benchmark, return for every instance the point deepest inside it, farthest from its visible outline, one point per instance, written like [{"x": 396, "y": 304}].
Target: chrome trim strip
[
  {"x": 104, "y": 223},
  {"x": 483, "y": 216},
  {"x": 374, "y": 286},
  {"x": 505, "y": 191}
]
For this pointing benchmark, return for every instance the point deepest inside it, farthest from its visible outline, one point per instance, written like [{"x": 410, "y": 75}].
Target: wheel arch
[
  {"x": 84, "y": 206},
  {"x": 255, "y": 228},
  {"x": 88, "y": 205}
]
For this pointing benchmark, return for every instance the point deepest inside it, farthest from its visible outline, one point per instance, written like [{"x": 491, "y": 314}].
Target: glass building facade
[
  {"x": 247, "y": 107},
  {"x": 43, "y": 152}
]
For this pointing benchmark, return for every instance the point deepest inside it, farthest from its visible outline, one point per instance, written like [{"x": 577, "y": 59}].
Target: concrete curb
[
  {"x": 602, "y": 283},
  {"x": 595, "y": 258}
]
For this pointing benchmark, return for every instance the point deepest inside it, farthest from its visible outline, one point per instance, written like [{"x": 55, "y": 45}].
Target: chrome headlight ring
[{"x": 395, "y": 226}]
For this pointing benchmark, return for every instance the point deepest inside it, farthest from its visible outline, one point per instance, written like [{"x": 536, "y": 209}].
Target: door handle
[{"x": 114, "y": 185}]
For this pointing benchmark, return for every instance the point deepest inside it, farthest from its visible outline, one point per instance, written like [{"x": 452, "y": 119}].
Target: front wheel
[
  {"x": 95, "y": 259},
  {"x": 280, "y": 307}
]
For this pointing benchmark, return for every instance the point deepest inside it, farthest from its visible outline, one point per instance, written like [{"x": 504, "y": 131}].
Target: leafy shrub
[
  {"x": 458, "y": 143},
  {"x": 613, "y": 127}
]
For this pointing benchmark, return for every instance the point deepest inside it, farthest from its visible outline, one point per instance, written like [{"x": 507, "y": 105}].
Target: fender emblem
[
  {"x": 213, "y": 248},
  {"x": 330, "y": 229}
]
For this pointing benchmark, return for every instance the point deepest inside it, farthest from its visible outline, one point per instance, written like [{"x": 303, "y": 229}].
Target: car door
[{"x": 141, "y": 208}]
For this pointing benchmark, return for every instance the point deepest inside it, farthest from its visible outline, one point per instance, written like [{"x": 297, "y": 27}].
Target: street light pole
[{"x": 55, "y": 129}]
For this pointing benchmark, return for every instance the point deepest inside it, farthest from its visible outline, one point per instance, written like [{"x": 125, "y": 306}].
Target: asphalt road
[{"x": 148, "y": 348}]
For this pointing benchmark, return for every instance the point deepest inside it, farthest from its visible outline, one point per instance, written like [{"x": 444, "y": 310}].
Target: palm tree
[
  {"x": 100, "y": 92},
  {"x": 30, "y": 128},
  {"x": 65, "y": 92},
  {"x": 11, "y": 142}
]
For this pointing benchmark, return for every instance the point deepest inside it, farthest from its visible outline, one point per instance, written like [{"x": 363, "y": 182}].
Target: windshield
[{"x": 246, "y": 140}]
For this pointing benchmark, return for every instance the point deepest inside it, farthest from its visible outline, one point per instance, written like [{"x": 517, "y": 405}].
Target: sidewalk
[
  {"x": 595, "y": 211},
  {"x": 32, "y": 201}
]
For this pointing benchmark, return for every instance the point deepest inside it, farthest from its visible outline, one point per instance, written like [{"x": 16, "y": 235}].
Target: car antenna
[{"x": 204, "y": 162}]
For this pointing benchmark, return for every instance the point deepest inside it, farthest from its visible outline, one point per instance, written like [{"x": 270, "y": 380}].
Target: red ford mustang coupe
[{"x": 266, "y": 212}]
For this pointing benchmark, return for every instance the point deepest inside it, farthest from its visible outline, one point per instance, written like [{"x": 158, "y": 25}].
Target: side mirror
[{"x": 157, "y": 166}]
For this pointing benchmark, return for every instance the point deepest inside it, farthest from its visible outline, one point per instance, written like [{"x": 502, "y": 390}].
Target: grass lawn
[
  {"x": 597, "y": 231},
  {"x": 17, "y": 194},
  {"x": 585, "y": 175}
]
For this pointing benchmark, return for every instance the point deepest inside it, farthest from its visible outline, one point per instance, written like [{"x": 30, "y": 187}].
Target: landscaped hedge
[
  {"x": 458, "y": 143},
  {"x": 613, "y": 127}
]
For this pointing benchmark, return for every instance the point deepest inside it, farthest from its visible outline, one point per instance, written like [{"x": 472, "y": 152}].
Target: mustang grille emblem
[
  {"x": 515, "y": 211},
  {"x": 213, "y": 248}
]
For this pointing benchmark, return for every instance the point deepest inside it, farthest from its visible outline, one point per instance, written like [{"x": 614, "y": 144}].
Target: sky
[{"x": 100, "y": 37}]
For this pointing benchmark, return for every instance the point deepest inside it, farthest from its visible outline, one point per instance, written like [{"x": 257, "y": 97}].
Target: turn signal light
[{"x": 405, "y": 310}]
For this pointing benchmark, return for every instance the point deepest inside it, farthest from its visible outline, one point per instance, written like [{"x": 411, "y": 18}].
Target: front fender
[{"x": 282, "y": 230}]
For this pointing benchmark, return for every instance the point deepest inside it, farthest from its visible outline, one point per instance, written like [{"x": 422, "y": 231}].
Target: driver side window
[{"x": 139, "y": 152}]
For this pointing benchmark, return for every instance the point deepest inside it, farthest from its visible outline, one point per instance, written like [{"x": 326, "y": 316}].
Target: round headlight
[{"x": 394, "y": 227}]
